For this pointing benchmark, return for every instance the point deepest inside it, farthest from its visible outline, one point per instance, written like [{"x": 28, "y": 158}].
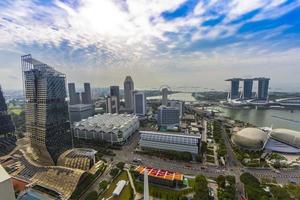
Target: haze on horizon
[{"x": 179, "y": 43}]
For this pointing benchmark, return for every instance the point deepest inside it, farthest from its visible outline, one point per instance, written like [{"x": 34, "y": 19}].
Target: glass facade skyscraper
[
  {"x": 46, "y": 110},
  {"x": 247, "y": 92}
]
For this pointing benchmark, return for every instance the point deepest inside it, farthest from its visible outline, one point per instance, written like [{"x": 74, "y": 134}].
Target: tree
[
  {"x": 114, "y": 172},
  {"x": 201, "y": 188},
  {"x": 120, "y": 165},
  {"x": 93, "y": 195},
  {"x": 221, "y": 181},
  {"x": 103, "y": 185}
]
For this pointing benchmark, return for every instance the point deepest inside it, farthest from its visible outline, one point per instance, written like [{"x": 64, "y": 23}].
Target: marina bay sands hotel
[{"x": 246, "y": 93}]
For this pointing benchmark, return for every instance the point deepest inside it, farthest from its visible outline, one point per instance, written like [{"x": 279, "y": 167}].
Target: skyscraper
[
  {"x": 139, "y": 103},
  {"x": 263, "y": 88},
  {"x": 112, "y": 104},
  {"x": 6, "y": 123},
  {"x": 234, "y": 88},
  {"x": 115, "y": 92},
  {"x": 146, "y": 185},
  {"x": 46, "y": 110},
  {"x": 86, "y": 96},
  {"x": 128, "y": 88},
  {"x": 168, "y": 117},
  {"x": 164, "y": 101},
  {"x": 74, "y": 96},
  {"x": 247, "y": 91}
]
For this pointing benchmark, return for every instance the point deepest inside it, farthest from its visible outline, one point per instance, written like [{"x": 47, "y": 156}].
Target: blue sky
[{"x": 180, "y": 42}]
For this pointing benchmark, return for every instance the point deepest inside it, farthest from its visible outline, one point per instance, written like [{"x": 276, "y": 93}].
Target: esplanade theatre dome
[
  {"x": 286, "y": 136},
  {"x": 250, "y": 138}
]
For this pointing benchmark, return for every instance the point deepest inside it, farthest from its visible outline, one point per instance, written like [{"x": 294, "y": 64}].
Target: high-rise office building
[
  {"x": 247, "y": 91},
  {"x": 139, "y": 103},
  {"x": 168, "y": 117},
  {"x": 112, "y": 104},
  {"x": 234, "y": 89},
  {"x": 6, "y": 123},
  {"x": 263, "y": 88},
  {"x": 178, "y": 104},
  {"x": 46, "y": 110},
  {"x": 128, "y": 88},
  {"x": 164, "y": 101},
  {"x": 115, "y": 92},
  {"x": 74, "y": 96},
  {"x": 86, "y": 96}
]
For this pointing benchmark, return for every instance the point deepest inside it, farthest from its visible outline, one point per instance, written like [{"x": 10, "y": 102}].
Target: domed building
[
  {"x": 289, "y": 137},
  {"x": 250, "y": 139}
]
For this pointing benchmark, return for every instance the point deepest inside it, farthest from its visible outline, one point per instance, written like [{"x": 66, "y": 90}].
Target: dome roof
[
  {"x": 287, "y": 136},
  {"x": 250, "y": 138}
]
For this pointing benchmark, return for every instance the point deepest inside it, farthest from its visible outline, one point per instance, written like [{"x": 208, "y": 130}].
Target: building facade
[
  {"x": 112, "y": 128},
  {"x": 79, "y": 112},
  {"x": 46, "y": 110},
  {"x": 115, "y": 92},
  {"x": 263, "y": 88},
  {"x": 7, "y": 126},
  {"x": 164, "y": 100},
  {"x": 86, "y": 96},
  {"x": 139, "y": 103},
  {"x": 247, "y": 91},
  {"x": 128, "y": 89},
  {"x": 168, "y": 117},
  {"x": 170, "y": 141},
  {"x": 73, "y": 95},
  {"x": 178, "y": 104},
  {"x": 112, "y": 105}
]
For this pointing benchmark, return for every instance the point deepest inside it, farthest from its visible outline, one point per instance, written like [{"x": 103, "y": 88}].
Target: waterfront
[
  {"x": 181, "y": 96},
  {"x": 265, "y": 117}
]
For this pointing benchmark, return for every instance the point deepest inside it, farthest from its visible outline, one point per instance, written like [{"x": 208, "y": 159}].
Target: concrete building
[
  {"x": 139, "y": 103},
  {"x": 115, "y": 92},
  {"x": 170, "y": 141},
  {"x": 6, "y": 187},
  {"x": 112, "y": 105},
  {"x": 73, "y": 95},
  {"x": 263, "y": 88},
  {"x": 46, "y": 110},
  {"x": 178, "y": 104},
  {"x": 168, "y": 117},
  {"x": 86, "y": 96},
  {"x": 79, "y": 112},
  {"x": 128, "y": 96},
  {"x": 247, "y": 91},
  {"x": 113, "y": 128},
  {"x": 164, "y": 100}
]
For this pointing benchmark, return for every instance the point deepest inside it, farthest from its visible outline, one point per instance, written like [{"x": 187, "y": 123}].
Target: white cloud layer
[{"x": 123, "y": 34}]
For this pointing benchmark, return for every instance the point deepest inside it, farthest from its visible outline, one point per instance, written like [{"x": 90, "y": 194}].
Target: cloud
[{"x": 148, "y": 34}]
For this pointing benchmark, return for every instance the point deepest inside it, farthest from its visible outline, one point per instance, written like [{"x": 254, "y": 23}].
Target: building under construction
[{"x": 46, "y": 110}]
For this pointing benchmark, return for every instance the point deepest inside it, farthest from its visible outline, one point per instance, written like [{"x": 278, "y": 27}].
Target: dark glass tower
[
  {"x": 46, "y": 111},
  {"x": 235, "y": 84},
  {"x": 263, "y": 88},
  {"x": 86, "y": 96},
  {"x": 115, "y": 92},
  {"x": 247, "y": 92},
  {"x": 6, "y": 123}
]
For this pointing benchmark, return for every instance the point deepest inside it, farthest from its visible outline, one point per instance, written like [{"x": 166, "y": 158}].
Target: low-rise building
[
  {"x": 6, "y": 186},
  {"x": 160, "y": 176},
  {"x": 170, "y": 141},
  {"x": 113, "y": 128}
]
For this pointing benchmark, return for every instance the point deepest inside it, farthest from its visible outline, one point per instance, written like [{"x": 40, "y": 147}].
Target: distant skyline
[{"x": 185, "y": 43}]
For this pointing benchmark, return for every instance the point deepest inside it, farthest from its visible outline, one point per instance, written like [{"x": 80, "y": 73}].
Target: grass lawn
[
  {"x": 126, "y": 193},
  {"x": 17, "y": 111}
]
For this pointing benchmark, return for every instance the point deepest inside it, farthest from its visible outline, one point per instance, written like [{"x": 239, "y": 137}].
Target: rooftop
[{"x": 160, "y": 173}]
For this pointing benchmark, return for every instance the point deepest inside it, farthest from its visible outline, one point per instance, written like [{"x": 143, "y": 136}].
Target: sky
[{"x": 180, "y": 43}]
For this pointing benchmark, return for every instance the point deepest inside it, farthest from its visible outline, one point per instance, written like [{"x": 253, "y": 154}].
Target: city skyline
[{"x": 179, "y": 43}]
